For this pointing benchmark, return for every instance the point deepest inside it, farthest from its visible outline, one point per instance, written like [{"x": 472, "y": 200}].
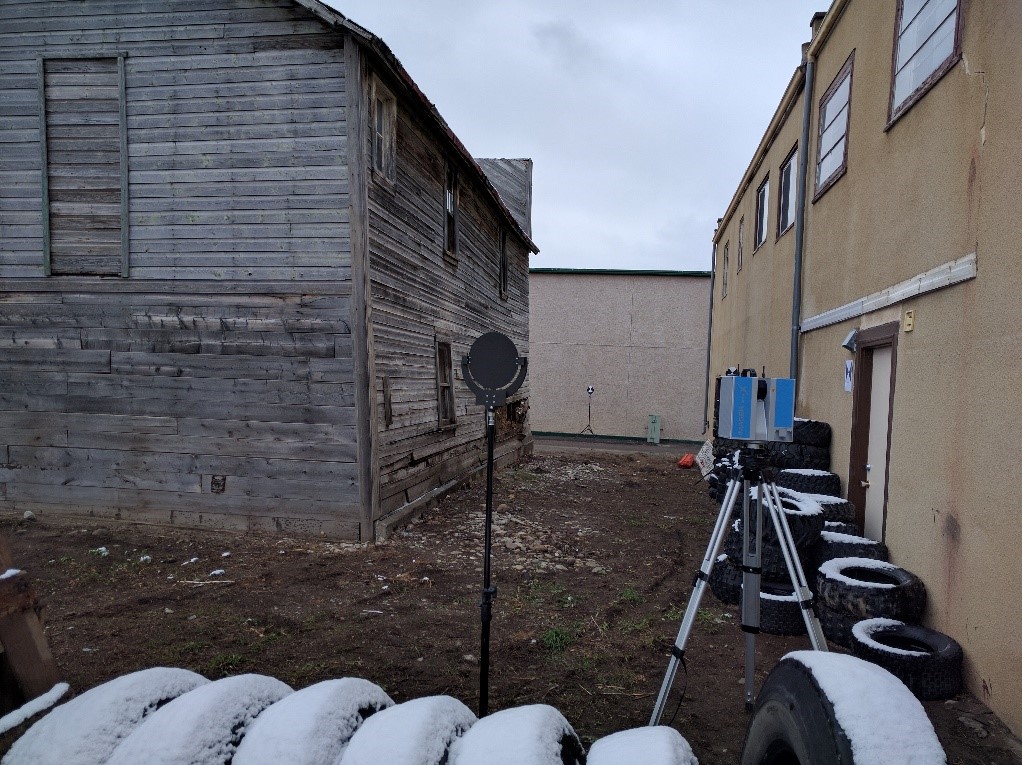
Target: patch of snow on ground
[
  {"x": 11, "y": 572},
  {"x": 884, "y": 722},
  {"x": 528, "y": 735},
  {"x": 33, "y": 707},
  {"x": 311, "y": 726},
  {"x": 88, "y": 728},
  {"x": 417, "y": 732},
  {"x": 865, "y": 629},
  {"x": 832, "y": 569},
  {"x": 658, "y": 745},
  {"x": 202, "y": 726}
]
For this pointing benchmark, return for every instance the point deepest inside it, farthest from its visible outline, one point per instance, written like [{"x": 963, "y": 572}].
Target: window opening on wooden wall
[
  {"x": 384, "y": 119},
  {"x": 927, "y": 44},
  {"x": 503, "y": 272},
  {"x": 762, "y": 211},
  {"x": 835, "y": 107},
  {"x": 727, "y": 265},
  {"x": 83, "y": 131},
  {"x": 741, "y": 244},
  {"x": 451, "y": 212},
  {"x": 444, "y": 384},
  {"x": 786, "y": 193}
]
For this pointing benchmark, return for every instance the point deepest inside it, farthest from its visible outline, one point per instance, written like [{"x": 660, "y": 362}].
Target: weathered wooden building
[{"x": 241, "y": 255}]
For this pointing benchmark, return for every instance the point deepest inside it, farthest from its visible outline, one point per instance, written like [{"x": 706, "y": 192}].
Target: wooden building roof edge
[{"x": 386, "y": 55}]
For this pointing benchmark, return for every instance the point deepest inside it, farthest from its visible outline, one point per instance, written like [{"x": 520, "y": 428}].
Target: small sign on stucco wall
[{"x": 848, "y": 375}]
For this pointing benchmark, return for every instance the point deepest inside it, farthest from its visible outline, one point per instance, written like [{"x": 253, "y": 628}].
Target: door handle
[{"x": 864, "y": 484}]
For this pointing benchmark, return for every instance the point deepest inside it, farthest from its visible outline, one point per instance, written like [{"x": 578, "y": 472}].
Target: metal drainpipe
[
  {"x": 800, "y": 214},
  {"x": 709, "y": 338}
]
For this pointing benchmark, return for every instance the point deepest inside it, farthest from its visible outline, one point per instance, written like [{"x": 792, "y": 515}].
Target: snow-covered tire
[
  {"x": 831, "y": 546},
  {"x": 89, "y": 727},
  {"x": 204, "y": 725},
  {"x": 312, "y": 725},
  {"x": 726, "y": 581},
  {"x": 870, "y": 588},
  {"x": 657, "y": 745},
  {"x": 779, "y": 611},
  {"x": 812, "y": 433},
  {"x": 417, "y": 732},
  {"x": 794, "y": 721},
  {"x": 821, "y": 707},
  {"x": 839, "y": 527},
  {"x": 834, "y": 508},
  {"x": 837, "y": 625},
  {"x": 810, "y": 481},
  {"x": 536, "y": 734},
  {"x": 927, "y": 661}
]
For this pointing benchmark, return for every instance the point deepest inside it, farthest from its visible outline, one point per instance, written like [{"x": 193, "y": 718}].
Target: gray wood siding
[
  {"x": 513, "y": 180},
  {"x": 129, "y": 403},
  {"x": 214, "y": 385},
  {"x": 417, "y": 296}
]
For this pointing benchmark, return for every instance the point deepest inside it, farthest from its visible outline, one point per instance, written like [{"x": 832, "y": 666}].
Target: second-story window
[
  {"x": 926, "y": 42},
  {"x": 762, "y": 210},
  {"x": 727, "y": 265},
  {"x": 786, "y": 193},
  {"x": 502, "y": 277},
  {"x": 383, "y": 116},
  {"x": 833, "y": 143},
  {"x": 741, "y": 244},
  {"x": 451, "y": 212}
]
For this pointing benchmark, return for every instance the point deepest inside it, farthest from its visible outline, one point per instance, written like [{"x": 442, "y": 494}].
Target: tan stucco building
[
  {"x": 910, "y": 237},
  {"x": 638, "y": 338}
]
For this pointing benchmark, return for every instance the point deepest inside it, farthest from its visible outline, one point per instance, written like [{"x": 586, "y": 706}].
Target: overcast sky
[{"x": 640, "y": 116}]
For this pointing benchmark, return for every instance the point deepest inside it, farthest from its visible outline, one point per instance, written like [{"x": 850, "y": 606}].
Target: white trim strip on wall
[{"x": 937, "y": 278}]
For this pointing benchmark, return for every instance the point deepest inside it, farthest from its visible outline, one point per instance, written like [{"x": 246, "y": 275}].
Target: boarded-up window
[
  {"x": 85, "y": 168},
  {"x": 444, "y": 384},
  {"x": 503, "y": 278}
]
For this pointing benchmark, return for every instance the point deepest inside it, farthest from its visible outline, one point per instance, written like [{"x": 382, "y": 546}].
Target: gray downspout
[
  {"x": 800, "y": 215},
  {"x": 709, "y": 338}
]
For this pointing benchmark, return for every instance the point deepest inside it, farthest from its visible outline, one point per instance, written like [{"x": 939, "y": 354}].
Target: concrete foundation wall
[{"x": 639, "y": 340}]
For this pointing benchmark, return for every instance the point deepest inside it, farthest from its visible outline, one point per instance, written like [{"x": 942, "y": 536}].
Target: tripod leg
[
  {"x": 699, "y": 586},
  {"x": 752, "y": 541},
  {"x": 794, "y": 565}
]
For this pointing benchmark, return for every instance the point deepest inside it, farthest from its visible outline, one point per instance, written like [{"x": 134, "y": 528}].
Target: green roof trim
[{"x": 616, "y": 272}]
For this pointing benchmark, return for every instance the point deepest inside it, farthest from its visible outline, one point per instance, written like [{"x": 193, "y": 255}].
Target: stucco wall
[
  {"x": 938, "y": 184},
  {"x": 640, "y": 340},
  {"x": 941, "y": 183}
]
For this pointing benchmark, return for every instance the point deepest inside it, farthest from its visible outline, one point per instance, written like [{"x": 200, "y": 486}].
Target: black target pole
[
  {"x": 489, "y": 591},
  {"x": 492, "y": 370}
]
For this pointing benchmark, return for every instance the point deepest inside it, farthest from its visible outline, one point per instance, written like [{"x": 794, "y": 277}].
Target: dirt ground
[{"x": 593, "y": 559}]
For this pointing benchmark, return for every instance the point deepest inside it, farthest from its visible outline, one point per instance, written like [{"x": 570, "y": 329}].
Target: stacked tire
[
  {"x": 809, "y": 449},
  {"x": 780, "y": 612}
]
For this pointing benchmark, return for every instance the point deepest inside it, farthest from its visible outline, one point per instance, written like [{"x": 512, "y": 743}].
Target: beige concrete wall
[{"x": 639, "y": 339}]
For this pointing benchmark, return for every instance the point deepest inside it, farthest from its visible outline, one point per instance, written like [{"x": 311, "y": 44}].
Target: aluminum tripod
[{"x": 751, "y": 472}]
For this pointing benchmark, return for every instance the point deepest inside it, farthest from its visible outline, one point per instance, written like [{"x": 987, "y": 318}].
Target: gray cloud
[{"x": 641, "y": 117}]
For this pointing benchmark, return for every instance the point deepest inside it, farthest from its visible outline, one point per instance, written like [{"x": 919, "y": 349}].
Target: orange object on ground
[{"x": 687, "y": 461}]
